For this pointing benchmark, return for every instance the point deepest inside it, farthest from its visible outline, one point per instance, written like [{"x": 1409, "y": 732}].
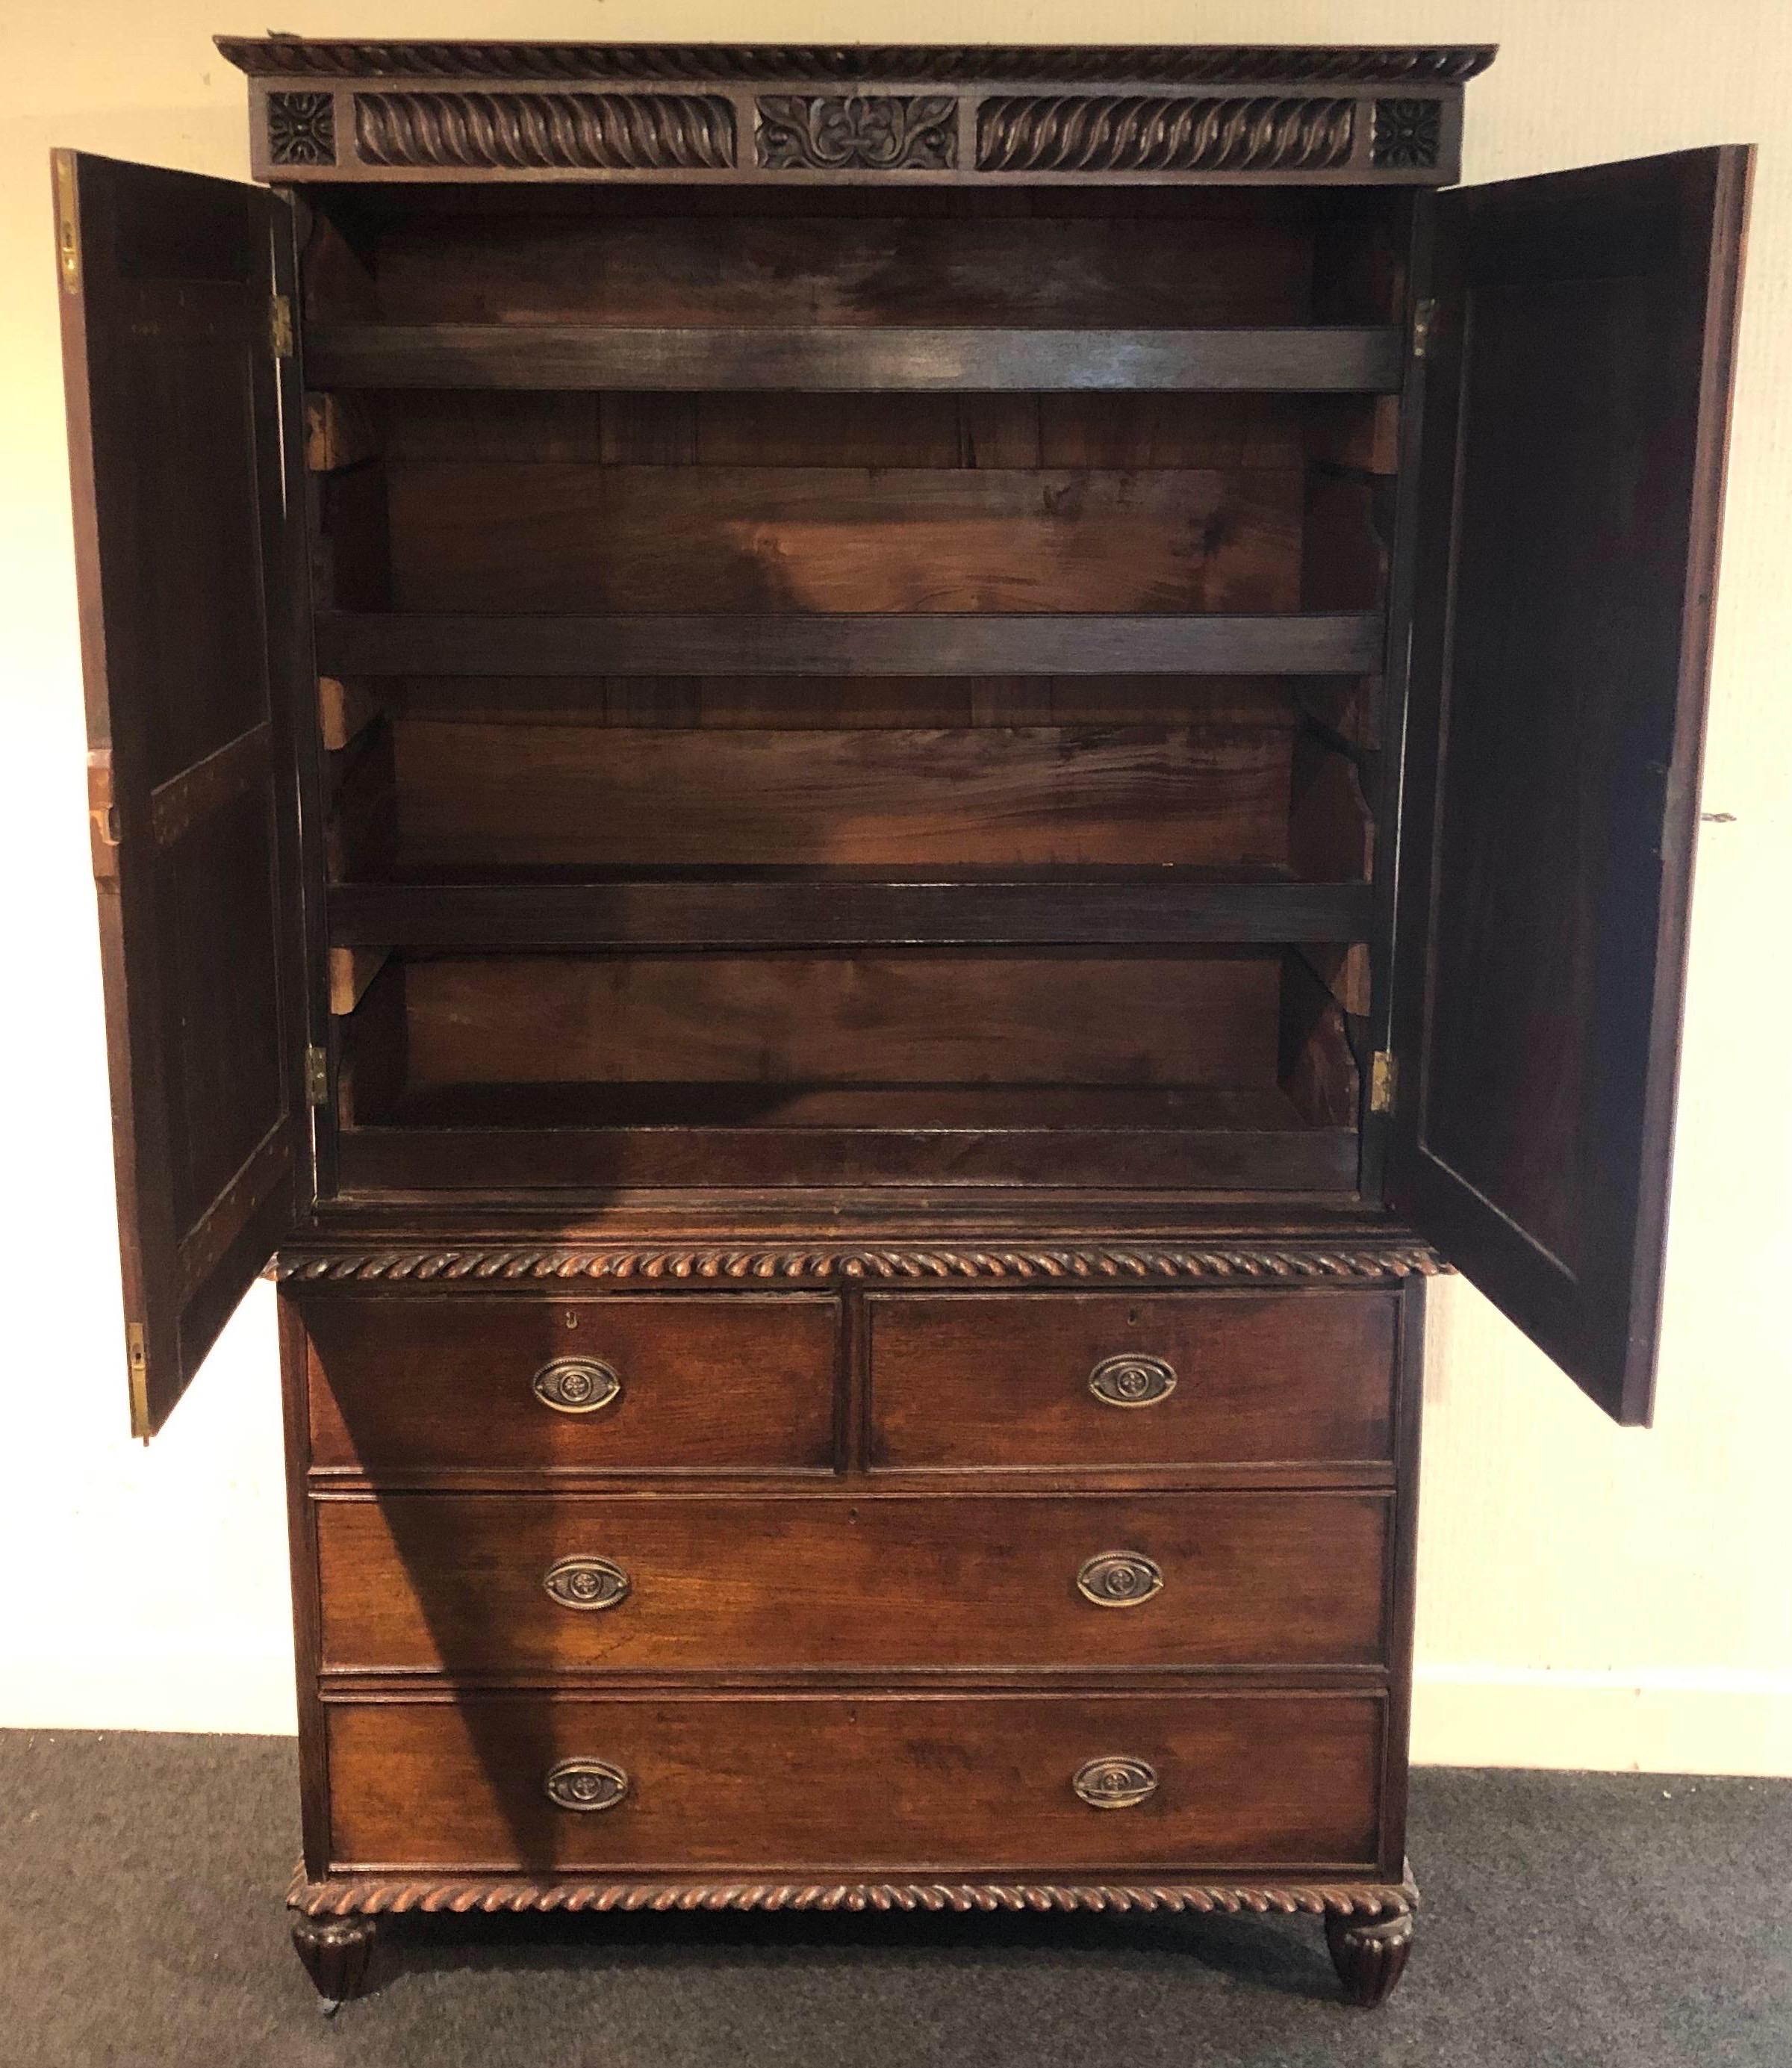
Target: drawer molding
[
  {"x": 831, "y": 1264},
  {"x": 349, "y": 1895}
]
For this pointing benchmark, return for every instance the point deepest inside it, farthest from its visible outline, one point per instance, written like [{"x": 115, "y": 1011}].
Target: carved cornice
[
  {"x": 1198, "y": 65},
  {"x": 374, "y": 1896},
  {"x": 573, "y": 131},
  {"x": 828, "y": 1263},
  {"x": 1161, "y": 133}
]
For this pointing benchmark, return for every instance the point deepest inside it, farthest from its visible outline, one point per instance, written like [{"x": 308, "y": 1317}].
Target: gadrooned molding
[
  {"x": 379, "y": 1895},
  {"x": 284, "y": 57},
  {"x": 830, "y": 1264}
]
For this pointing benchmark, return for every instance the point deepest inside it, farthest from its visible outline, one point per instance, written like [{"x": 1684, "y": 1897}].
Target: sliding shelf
[
  {"x": 529, "y": 1137},
  {"x": 865, "y": 643},
  {"x": 820, "y": 909},
  {"x": 1307, "y": 359}
]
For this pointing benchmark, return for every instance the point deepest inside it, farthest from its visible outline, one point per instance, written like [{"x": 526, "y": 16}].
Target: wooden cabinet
[{"x": 856, "y": 795}]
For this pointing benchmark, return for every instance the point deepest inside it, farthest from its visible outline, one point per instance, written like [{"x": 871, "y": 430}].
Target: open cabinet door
[
  {"x": 182, "y": 546},
  {"x": 1579, "y": 375}
]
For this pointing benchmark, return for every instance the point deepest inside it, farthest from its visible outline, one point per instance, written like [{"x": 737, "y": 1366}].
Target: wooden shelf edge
[
  {"x": 1310, "y": 359},
  {"x": 815, "y": 913},
  {"x": 831, "y": 643}
]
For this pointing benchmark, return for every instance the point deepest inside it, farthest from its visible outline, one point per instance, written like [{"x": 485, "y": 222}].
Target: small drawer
[
  {"x": 681, "y": 1382},
  {"x": 1084, "y": 1381},
  {"x": 856, "y": 1786},
  {"x": 554, "y": 1583}
]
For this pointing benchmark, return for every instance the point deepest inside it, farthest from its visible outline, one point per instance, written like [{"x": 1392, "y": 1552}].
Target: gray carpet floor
[{"x": 1625, "y": 1921}]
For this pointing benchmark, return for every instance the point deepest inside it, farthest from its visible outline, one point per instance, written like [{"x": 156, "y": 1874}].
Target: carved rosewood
[{"x": 820, "y": 855}]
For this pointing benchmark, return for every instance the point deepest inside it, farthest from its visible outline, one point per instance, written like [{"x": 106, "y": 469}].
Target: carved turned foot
[
  {"x": 1369, "y": 1954},
  {"x": 335, "y": 1951}
]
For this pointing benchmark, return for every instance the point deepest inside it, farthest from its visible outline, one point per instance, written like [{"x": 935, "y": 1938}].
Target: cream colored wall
[{"x": 1588, "y": 1596}]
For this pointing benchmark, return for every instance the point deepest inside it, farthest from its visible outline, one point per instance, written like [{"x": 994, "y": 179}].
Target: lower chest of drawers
[{"x": 859, "y": 1581}]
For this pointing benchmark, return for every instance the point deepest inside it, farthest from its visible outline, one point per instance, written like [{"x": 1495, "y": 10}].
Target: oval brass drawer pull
[
  {"x": 586, "y": 1785},
  {"x": 1119, "y": 1579},
  {"x": 587, "y": 1583},
  {"x": 1115, "y": 1783},
  {"x": 1133, "y": 1381},
  {"x": 577, "y": 1386}
]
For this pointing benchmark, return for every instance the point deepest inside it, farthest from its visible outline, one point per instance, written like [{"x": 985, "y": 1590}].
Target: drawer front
[
  {"x": 1110, "y": 1379},
  {"x": 682, "y": 1382},
  {"x": 491, "y": 1582},
  {"x": 878, "y": 1784}
]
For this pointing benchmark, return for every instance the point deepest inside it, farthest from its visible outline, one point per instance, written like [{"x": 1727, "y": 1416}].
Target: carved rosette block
[
  {"x": 882, "y": 132},
  {"x": 1369, "y": 1954},
  {"x": 302, "y": 129},
  {"x": 1081, "y": 132},
  {"x": 474, "y": 132},
  {"x": 1408, "y": 134},
  {"x": 336, "y": 1952}
]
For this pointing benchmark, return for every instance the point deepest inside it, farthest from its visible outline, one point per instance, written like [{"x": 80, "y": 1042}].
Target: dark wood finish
[
  {"x": 896, "y": 1783},
  {"x": 479, "y": 796},
  {"x": 821, "y": 908},
  {"x": 174, "y": 436},
  {"x": 336, "y": 1952},
  {"x": 773, "y": 1021},
  {"x": 1163, "y": 1142},
  {"x": 565, "y": 355},
  {"x": 952, "y": 1582},
  {"x": 1001, "y": 1381},
  {"x": 841, "y": 637},
  {"x": 835, "y": 262},
  {"x": 729, "y": 1384},
  {"x": 1370, "y": 1955},
  {"x": 817, "y": 643},
  {"x": 1586, "y": 322},
  {"x": 483, "y": 536}
]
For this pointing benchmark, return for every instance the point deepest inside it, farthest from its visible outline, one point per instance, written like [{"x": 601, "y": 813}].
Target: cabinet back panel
[
  {"x": 547, "y": 537},
  {"x": 787, "y": 703},
  {"x": 494, "y": 794},
  {"x": 911, "y": 1017},
  {"x": 909, "y": 270}
]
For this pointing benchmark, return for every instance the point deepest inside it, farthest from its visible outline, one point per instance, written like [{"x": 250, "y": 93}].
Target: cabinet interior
[{"x": 838, "y": 909}]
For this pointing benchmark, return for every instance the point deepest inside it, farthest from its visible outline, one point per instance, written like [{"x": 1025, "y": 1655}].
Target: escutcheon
[
  {"x": 587, "y": 1583},
  {"x": 577, "y": 1386},
  {"x": 1133, "y": 1381},
  {"x": 1119, "y": 1579},
  {"x": 1115, "y": 1783},
  {"x": 586, "y": 1785}
]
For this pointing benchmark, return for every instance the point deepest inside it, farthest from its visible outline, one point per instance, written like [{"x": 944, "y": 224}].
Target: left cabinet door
[{"x": 191, "y": 640}]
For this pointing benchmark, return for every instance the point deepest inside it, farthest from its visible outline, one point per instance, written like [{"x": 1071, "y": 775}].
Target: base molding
[{"x": 379, "y": 1895}]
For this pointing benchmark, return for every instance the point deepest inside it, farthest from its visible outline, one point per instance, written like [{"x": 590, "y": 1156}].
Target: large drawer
[
  {"x": 680, "y": 1382},
  {"x": 854, "y": 1786},
  {"x": 547, "y": 1581},
  {"x": 1083, "y": 1380}
]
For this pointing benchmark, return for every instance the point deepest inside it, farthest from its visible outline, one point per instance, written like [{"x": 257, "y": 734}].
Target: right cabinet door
[{"x": 1577, "y": 380}]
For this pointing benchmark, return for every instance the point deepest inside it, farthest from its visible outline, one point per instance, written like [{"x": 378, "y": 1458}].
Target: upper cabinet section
[{"x": 983, "y": 115}]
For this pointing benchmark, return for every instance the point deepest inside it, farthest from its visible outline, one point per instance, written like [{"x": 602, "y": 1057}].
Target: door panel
[
  {"x": 184, "y": 556},
  {"x": 1573, "y": 444}
]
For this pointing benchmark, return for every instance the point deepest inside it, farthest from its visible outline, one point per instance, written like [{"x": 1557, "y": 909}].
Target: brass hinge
[
  {"x": 68, "y": 224},
  {"x": 280, "y": 325},
  {"x": 1383, "y": 1076},
  {"x": 103, "y": 815},
  {"x": 136, "y": 1350},
  {"x": 1423, "y": 318},
  {"x": 317, "y": 1076}
]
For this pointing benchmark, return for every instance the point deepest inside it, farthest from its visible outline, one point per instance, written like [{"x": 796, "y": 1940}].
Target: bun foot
[
  {"x": 335, "y": 1952},
  {"x": 1369, "y": 1954}
]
